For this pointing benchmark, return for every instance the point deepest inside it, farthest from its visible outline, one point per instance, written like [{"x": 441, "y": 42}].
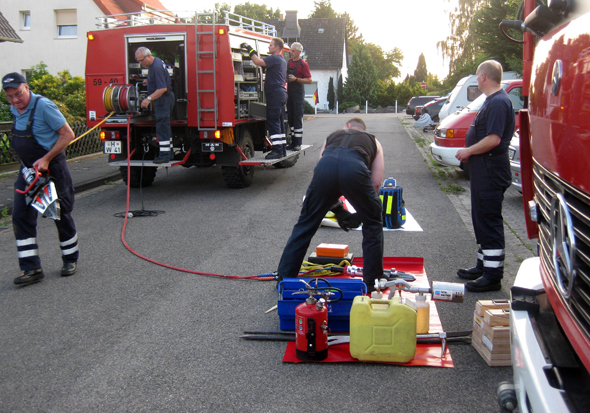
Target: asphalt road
[{"x": 124, "y": 334}]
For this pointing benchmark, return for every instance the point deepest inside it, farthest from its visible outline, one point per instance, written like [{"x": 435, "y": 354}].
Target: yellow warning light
[
  {"x": 90, "y": 36},
  {"x": 103, "y": 135},
  {"x": 217, "y": 134},
  {"x": 221, "y": 31}
]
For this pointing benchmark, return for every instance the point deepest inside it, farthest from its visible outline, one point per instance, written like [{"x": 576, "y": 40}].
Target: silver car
[{"x": 514, "y": 155}]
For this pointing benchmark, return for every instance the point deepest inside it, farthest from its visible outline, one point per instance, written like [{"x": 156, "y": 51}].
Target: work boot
[
  {"x": 69, "y": 268},
  {"x": 162, "y": 159},
  {"x": 483, "y": 284},
  {"x": 470, "y": 274},
  {"x": 278, "y": 152},
  {"x": 29, "y": 277}
]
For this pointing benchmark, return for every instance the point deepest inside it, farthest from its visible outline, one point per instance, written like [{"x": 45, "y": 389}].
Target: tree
[
  {"x": 385, "y": 63},
  {"x": 421, "y": 72},
  {"x": 350, "y": 31},
  {"x": 331, "y": 96},
  {"x": 257, "y": 11},
  {"x": 475, "y": 35},
  {"x": 323, "y": 10},
  {"x": 362, "y": 77}
]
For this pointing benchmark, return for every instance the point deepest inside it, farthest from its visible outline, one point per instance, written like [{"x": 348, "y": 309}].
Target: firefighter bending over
[
  {"x": 275, "y": 92},
  {"x": 159, "y": 87},
  {"x": 351, "y": 164}
]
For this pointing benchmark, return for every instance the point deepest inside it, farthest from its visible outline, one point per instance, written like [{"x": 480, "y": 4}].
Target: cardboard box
[
  {"x": 332, "y": 250},
  {"x": 491, "y": 331},
  {"x": 497, "y": 317},
  {"x": 482, "y": 305}
]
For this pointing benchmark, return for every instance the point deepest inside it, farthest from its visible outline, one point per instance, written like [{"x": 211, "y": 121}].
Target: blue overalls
[{"x": 24, "y": 217}]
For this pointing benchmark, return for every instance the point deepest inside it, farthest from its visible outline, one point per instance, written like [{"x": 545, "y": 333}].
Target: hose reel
[{"x": 120, "y": 98}]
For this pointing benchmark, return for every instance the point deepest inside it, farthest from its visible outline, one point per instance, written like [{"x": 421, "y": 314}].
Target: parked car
[
  {"x": 514, "y": 155},
  {"x": 418, "y": 100},
  {"x": 449, "y": 135},
  {"x": 464, "y": 93},
  {"x": 433, "y": 108}
]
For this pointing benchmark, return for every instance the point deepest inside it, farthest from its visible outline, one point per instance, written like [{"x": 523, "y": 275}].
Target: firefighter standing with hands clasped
[
  {"x": 40, "y": 133},
  {"x": 298, "y": 76},
  {"x": 486, "y": 150},
  {"x": 275, "y": 92}
]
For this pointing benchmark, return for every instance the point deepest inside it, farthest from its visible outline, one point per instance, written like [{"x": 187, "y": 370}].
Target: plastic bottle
[{"x": 423, "y": 314}]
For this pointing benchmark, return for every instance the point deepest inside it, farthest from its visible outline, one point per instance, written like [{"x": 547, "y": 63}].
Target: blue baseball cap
[{"x": 13, "y": 80}]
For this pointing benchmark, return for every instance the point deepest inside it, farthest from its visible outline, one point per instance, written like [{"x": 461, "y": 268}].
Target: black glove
[
  {"x": 345, "y": 219},
  {"x": 249, "y": 49}
]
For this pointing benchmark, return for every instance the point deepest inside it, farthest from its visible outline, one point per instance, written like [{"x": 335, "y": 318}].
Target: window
[
  {"x": 25, "y": 20},
  {"x": 67, "y": 25},
  {"x": 310, "y": 89},
  {"x": 473, "y": 93},
  {"x": 515, "y": 96}
]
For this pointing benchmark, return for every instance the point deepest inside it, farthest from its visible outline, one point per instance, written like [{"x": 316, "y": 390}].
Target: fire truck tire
[
  {"x": 138, "y": 179},
  {"x": 240, "y": 176}
]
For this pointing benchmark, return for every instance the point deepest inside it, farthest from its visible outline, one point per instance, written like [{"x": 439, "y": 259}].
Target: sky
[{"x": 412, "y": 26}]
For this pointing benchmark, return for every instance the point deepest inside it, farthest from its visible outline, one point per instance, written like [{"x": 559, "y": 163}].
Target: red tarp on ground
[{"x": 426, "y": 354}]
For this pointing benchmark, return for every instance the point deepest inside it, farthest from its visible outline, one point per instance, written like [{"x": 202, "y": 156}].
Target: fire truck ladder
[{"x": 206, "y": 19}]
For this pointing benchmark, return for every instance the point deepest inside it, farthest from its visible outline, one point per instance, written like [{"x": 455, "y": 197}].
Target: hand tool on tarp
[{"x": 428, "y": 338}]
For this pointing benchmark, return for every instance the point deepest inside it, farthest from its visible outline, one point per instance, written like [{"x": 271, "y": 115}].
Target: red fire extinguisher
[
  {"x": 311, "y": 328},
  {"x": 311, "y": 322}
]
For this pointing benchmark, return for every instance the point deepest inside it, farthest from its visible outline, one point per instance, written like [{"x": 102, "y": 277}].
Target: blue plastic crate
[{"x": 338, "y": 312}]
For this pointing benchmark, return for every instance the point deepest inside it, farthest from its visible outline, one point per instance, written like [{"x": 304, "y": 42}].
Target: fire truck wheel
[
  {"x": 240, "y": 176},
  {"x": 138, "y": 178}
]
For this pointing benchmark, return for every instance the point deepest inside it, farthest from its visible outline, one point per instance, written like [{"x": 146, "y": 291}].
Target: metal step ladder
[{"x": 203, "y": 114}]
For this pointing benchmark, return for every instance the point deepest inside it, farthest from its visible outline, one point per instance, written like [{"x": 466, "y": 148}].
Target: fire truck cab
[
  {"x": 219, "y": 113},
  {"x": 550, "y": 306}
]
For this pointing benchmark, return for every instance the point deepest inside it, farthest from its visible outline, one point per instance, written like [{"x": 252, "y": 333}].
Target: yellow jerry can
[{"x": 383, "y": 330}]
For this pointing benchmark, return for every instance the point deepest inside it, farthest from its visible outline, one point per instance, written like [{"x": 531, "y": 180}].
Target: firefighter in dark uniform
[
  {"x": 486, "y": 150},
  {"x": 40, "y": 134},
  {"x": 351, "y": 164},
  {"x": 275, "y": 93},
  {"x": 298, "y": 75},
  {"x": 159, "y": 88}
]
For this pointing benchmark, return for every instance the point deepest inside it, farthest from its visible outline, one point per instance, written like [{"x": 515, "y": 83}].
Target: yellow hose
[{"x": 90, "y": 130}]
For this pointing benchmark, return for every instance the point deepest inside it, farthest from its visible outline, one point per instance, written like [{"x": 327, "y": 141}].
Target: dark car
[
  {"x": 433, "y": 107},
  {"x": 418, "y": 100}
]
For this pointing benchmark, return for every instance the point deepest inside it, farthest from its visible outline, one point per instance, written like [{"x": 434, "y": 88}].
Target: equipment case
[{"x": 338, "y": 311}]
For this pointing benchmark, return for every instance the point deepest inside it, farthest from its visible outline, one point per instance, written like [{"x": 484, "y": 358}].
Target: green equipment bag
[{"x": 394, "y": 207}]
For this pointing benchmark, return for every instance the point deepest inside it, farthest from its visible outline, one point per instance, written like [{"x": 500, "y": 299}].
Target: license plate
[
  {"x": 212, "y": 147},
  {"x": 112, "y": 147},
  {"x": 511, "y": 153}
]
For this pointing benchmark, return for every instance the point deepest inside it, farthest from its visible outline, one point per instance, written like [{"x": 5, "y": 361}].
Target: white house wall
[{"x": 41, "y": 42}]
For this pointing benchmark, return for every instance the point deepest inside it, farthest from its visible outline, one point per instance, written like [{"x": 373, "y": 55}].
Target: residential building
[
  {"x": 324, "y": 48},
  {"x": 54, "y": 32}
]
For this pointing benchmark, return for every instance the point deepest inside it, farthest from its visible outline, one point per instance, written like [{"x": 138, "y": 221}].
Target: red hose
[{"x": 233, "y": 277}]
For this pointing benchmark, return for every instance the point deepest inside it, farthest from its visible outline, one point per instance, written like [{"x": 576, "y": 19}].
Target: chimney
[{"x": 292, "y": 29}]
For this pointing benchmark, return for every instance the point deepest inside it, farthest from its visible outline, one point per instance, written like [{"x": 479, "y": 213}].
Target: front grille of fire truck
[{"x": 547, "y": 185}]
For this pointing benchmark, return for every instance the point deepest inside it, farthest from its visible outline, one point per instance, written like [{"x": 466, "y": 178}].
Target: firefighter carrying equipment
[{"x": 394, "y": 206}]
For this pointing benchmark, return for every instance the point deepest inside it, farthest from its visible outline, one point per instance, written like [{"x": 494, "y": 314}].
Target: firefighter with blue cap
[{"x": 40, "y": 133}]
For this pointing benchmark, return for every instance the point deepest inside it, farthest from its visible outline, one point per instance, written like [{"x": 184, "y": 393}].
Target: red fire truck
[
  {"x": 219, "y": 115},
  {"x": 550, "y": 317}
]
